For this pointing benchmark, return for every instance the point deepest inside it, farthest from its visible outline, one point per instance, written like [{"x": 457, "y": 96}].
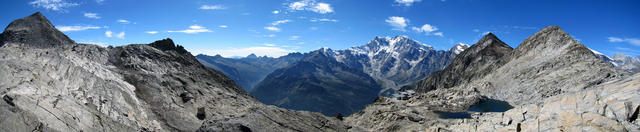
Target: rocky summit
[{"x": 50, "y": 83}]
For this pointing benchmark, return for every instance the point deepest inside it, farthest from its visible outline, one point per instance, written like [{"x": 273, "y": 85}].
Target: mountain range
[
  {"x": 550, "y": 82},
  {"x": 391, "y": 62}
]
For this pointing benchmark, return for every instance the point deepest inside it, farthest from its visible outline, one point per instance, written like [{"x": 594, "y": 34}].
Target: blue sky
[{"x": 276, "y": 27}]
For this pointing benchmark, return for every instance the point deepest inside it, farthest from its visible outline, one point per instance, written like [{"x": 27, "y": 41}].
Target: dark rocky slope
[
  {"x": 318, "y": 83},
  {"x": 478, "y": 60},
  {"x": 49, "y": 83}
]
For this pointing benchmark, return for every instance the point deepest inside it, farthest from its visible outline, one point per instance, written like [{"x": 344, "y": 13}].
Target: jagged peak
[
  {"x": 35, "y": 30},
  {"x": 252, "y": 55},
  {"x": 167, "y": 44},
  {"x": 458, "y": 48}
]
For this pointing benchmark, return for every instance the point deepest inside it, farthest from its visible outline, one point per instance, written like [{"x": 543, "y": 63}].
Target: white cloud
[
  {"x": 230, "y": 52},
  {"x": 151, "y": 32},
  {"x": 270, "y": 35},
  {"x": 56, "y": 5},
  {"x": 398, "y": 23},
  {"x": 101, "y": 44},
  {"x": 322, "y": 8},
  {"x": 406, "y": 2},
  {"x": 294, "y": 37},
  {"x": 313, "y": 28},
  {"x": 276, "y": 23},
  {"x": 223, "y": 26},
  {"x": 428, "y": 29},
  {"x": 76, "y": 28},
  {"x": 193, "y": 29},
  {"x": 272, "y": 28},
  {"x": 92, "y": 15},
  {"x": 276, "y": 12},
  {"x": 425, "y": 28},
  {"x": 108, "y": 34},
  {"x": 633, "y": 41},
  {"x": 212, "y": 7},
  {"x": 323, "y": 20},
  {"x": 120, "y": 35},
  {"x": 311, "y": 5},
  {"x": 270, "y": 45},
  {"x": 123, "y": 21},
  {"x": 439, "y": 34}
]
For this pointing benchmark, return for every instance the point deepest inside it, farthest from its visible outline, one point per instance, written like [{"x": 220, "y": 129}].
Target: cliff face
[{"x": 50, "y": 83}]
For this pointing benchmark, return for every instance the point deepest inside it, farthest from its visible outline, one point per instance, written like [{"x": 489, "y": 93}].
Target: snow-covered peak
[{"x": 459, "y": 48}]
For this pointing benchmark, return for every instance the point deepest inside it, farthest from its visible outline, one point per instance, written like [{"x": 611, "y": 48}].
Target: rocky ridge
[{"x": 50, "y": 83}]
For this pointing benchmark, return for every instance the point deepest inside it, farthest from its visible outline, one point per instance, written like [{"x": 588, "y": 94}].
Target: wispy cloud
[
  {"x": 55, "y": 5},
  {"x": 76, "y": 28},
  {"x": 101, "y": 44},
  {"x": 259, "y": 50},
  {"x": 272, "y": 28},
  {"x": 120, "y": 35},
  {"x": 212, "y": 7},
  {"x": 92, "y": 15},
  {"x": 270, "y": 45},
  {"x": 633, "y": 41},
  {"x": 276, "y": 23},
  {"x": 108, "y": 34},
  {"x": 223, "y": 26},
  {"x": 151, "y": 32},
  {"x": 270, "y": 35},
  {"x": 323, "y": 20},
  {"x": 428, "y": 29},
  {"x": 193, "y": 29},
  {"x": 123, "y": 21},
  {"x": 294, "y": 37},
  {"x": 311, "y": 5},
  {"x": 406, "y": 2},
  {"x": 275, "y": 12},
  {"x": 398, "y": 23}
]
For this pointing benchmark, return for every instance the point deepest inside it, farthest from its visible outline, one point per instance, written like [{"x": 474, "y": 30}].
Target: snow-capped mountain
[
  {"x": 626, "y": 63},
  {"x": 459, "y": 48},
  {"x": 397, "y": 61}
]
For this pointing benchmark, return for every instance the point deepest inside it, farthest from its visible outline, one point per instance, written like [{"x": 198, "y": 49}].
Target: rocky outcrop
[
  {"x": 318, "y": 83},
  {"x": 51, "y": 84},
  {"x": 475, "y": 62},
  {"x": 34, "y": 30}
]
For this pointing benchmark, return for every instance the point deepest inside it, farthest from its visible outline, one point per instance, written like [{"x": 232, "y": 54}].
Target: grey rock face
[
  {"x": 53, "y": 85},
  {"x": 479, "y": 60},
  {"x": 34, "y": 28}
]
